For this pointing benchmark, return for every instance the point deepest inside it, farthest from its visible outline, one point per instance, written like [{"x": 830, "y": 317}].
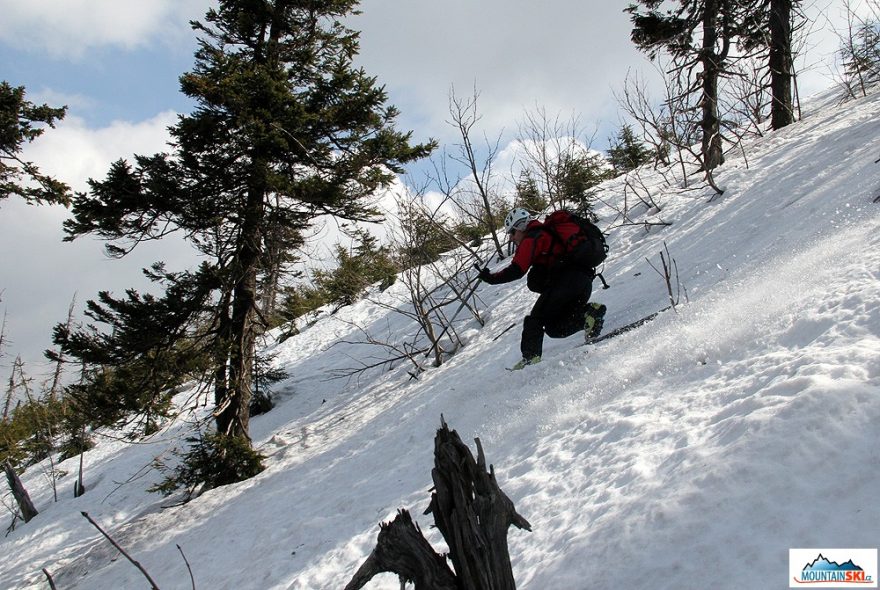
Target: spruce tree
[
  {"x": 355, "y": 270},
  {"x": 626, "y": 152},
  {"x": 22, "y": 122},
  {"x": 576, "y": 176},
  {"x": 528, "y": 194},
  {"x": 286, "y": 129},
  {"x": 697, "y": 32}
]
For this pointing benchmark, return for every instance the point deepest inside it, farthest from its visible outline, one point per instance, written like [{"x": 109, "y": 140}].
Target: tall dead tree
[
  {"x": 475, "y": 197},
  {"x": 55, "y": 388},
  {"x": 471, "y": 512}
]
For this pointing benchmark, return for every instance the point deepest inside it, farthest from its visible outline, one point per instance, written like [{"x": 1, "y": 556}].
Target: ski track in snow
[{"x": 690, "y": 453}]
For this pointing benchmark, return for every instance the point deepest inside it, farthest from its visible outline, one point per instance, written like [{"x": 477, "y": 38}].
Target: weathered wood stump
[
  {"x": 19, "y": 493},
  {"x": 402, "y": 549},
  {"x": 472, "y": 514}
]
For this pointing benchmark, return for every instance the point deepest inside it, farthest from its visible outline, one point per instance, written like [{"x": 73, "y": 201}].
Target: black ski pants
[{"x": 559, "y": 310}]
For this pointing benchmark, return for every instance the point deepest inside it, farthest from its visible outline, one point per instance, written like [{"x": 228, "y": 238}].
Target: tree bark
[
  {"x": 780, "y": 63},
  {"x": 402, "y": 549},
  {"x": 234, "y": 418},
  {"x": 19, "y": 493},
  {"x": 472, "y": 514},
  {"x": 712, "y": 149}
]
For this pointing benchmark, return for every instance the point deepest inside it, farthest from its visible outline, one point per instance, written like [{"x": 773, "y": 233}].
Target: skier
[{"x": 564, "y": 287}]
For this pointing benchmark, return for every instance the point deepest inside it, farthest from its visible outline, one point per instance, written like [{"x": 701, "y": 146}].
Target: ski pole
[{"x": 505, "y": 331}]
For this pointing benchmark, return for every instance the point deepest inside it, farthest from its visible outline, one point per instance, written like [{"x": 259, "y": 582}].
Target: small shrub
[{"x": 212, "y": 461}]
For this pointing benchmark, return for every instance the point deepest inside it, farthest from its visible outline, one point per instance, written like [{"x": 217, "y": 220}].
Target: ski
[
  {"x": 625, "y": 328},
  {"x": 608, "y": 335}
]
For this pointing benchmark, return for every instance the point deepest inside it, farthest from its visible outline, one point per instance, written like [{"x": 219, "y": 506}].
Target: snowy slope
[{"x": 689, "y": 454}]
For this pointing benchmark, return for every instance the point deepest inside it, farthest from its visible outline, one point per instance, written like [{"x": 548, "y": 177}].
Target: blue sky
[
  {"x": 116, "y": 65},
  {"x": 106, "y": 60},
  {"x": 105, "y": 85}
]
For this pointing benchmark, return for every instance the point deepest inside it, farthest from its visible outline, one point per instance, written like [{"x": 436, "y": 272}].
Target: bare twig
[
  {"x": 49, "y": 578},
  {"x": 670, "y": 271},
  {"x": 15, "y": 515},
  {"x": 189, "y": 569},
  {"x": 54, "y": 390},
  {"x": 153, "y": 585}
]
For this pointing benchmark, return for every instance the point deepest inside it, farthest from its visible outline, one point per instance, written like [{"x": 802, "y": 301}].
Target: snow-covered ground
[{"x": 691, "y": 453}]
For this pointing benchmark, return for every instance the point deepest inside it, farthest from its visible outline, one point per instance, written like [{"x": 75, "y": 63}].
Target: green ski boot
[
  {"x": 526, "y": 362},
  {"x": 594, "y": 319}
]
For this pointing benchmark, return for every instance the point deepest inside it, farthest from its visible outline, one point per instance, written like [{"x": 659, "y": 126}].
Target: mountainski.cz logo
[{"x": 832, "y": 568}]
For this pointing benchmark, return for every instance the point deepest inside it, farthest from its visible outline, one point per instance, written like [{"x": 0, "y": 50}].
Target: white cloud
[
  {"x": 74, "y": 153},
  {"x": 68, "y": 28},
  {"x": 564, "y": 56},
  {"x": 39, "y": 272}
]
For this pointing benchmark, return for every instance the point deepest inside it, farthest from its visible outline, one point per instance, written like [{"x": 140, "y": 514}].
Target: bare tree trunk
[
  {"x": 59, "y": 357},
  {"x": 10, "y": 391},
  {"x": 712, "y": 149},
  {"x": 8, "y": 403},
  {"x": 19, "y": 493},
  {"x": 781, "y": 110},
  {"x": 233, "y": 419},
  {"x": 221, "y": 354},
  {"x": 464, "y": 117}
]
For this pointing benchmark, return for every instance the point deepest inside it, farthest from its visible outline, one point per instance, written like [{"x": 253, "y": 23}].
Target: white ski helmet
[{"x": 517, "y": 219}]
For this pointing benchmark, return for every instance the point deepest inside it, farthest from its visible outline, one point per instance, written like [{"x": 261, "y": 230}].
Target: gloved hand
[{"x": 486, "y": 276}]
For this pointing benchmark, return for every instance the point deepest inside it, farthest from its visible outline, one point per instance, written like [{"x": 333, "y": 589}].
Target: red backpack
[{"x": 583, "y": 244}]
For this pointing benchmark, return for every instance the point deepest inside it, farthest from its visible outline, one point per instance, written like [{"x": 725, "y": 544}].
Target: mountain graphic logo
[
  {"x": 833, "y": 568},
  {"x": 822, "y": 563}
]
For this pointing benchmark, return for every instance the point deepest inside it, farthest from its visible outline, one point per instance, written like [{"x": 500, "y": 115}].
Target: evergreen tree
[
  {"x": 355, "y": 270},
  {"x": 567, "y": 183},
  {"x": 377, "y": 261},
  {"x": 285, "y": 129},
  {"x": 626, "y": 152},
  {"x": 22, "y": 122},
  {"x": 577, "y": 174},
  {"x": 528, "y": 194},
  {"x": 698, "y": 31},
  {"x": 299, "y": 300},
  {"x": 424, "y": 237}
]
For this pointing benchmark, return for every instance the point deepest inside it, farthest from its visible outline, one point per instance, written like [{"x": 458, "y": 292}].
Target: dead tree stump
[
  {"x": 472, "y": 514},
  {"x": 19, "y": 493},
  {"x": 402, "y": 549}
]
